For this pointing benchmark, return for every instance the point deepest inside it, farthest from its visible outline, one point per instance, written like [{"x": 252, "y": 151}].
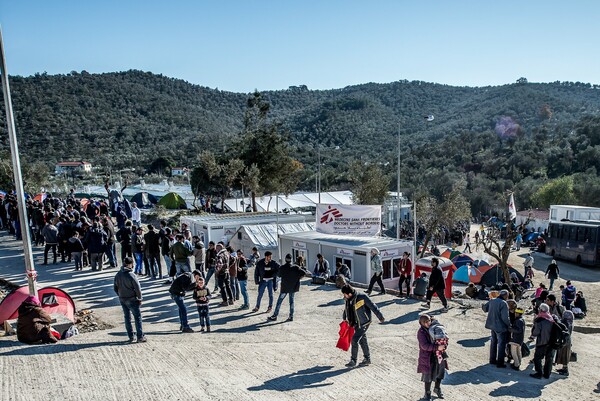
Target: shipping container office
[
  {"x": 222, "y": 227},
  {"x": 353, "y": 251}
]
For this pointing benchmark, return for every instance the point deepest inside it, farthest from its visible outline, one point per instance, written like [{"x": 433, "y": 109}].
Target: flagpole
[{"x": 16, "y": 164}]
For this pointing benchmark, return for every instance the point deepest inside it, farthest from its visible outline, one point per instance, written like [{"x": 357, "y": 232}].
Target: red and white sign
[
  {"x": 360, "y": 220},
  {"x": 389, "y": 253},
  {"x": 345, "y": 252},
  {"x": 299, "y": 245}
]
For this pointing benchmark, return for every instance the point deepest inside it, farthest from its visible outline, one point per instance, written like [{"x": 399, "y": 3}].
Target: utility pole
[
  {"x": 319, "y": 173},
  {"x": 16, "y": 164},
  {"x": 398, "y": 198}
]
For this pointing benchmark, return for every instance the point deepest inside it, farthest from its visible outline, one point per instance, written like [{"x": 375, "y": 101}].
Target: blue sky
[{"x": 245, "y": 45}]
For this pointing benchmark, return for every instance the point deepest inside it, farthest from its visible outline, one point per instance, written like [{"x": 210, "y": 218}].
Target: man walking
[
  {"x": 128, "y": 289},
  {"x": 377, "y": 269},
  {"x": 437, "y": 285},
  {"x": 290, "y": 284},
  {"x": 498, "y": 321},
  {"x": 357, "y": 312}
]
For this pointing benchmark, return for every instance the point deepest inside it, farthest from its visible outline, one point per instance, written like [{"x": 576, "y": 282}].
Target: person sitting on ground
[
  {"x": 321, "y": 267},
  {"x": 579, "y": 306},
  {"x": 420, "y": 286},
  {"x": 471, "y": 290},
  {"x": 342, "y": 275},
  {"x": 483, "y": 294},
  {"x": 538, "y": 291},
  {"x": 33, "y": 323}
]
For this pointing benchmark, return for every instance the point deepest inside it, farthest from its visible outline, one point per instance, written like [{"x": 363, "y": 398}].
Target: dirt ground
[{"x": 248, "y": 358}]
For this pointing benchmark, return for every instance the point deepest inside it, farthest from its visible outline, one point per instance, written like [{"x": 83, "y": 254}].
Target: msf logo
[{"x": 330, "y": 215}]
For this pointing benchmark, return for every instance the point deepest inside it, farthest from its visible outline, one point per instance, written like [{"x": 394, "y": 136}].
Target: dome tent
[
  {"x": 144, "y": 200},
  {"x": 172, "y": 201}
]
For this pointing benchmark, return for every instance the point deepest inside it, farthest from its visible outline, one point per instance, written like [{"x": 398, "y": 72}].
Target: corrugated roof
[{"x": 265, "y": 235}]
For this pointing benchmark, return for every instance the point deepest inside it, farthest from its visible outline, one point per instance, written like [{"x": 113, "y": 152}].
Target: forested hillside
[{"x": 489, "y": 139}]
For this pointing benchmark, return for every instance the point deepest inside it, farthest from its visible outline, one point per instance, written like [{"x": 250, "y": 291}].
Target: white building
[
  {"x": 80, "y": 167},
  {"x": 182, "y": 171}
]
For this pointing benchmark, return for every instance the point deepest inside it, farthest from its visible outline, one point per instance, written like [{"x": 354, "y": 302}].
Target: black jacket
[
  {"x": 290, "y": 277},
  {"x": 436, "y": 280},
  {"x": 242, "y": 274},
  {"x": 183, "y": 283},
  {"x": 265, "y": 270},
  {"x": 152, "y": 240},
  {"x": 358, "y": 310}
]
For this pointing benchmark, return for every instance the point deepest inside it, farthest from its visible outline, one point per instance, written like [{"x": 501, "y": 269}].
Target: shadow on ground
[
  {"x": 307, "y": 378},
  {"x": 512, "y": 384},
  {"x": 473, "y": 342}
]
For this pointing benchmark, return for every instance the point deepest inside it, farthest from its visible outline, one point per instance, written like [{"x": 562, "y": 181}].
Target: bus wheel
[{"x": 578, "y": 260}]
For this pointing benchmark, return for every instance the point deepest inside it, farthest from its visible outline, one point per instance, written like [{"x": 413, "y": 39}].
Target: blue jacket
[
  {"x": 358, "y": 310},
  {"x": 498, "y": 318}
]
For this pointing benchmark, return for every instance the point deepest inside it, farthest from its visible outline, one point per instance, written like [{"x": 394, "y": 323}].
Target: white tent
[{"x": 264, "y": 236}]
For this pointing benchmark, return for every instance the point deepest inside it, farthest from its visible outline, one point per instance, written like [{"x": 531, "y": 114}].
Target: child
[
  {"x": 517, "y": 335},
  {"x": 202, "y": 297},
  {"x": 76, "y": 249},
  {"x": 438, "y": 334}
]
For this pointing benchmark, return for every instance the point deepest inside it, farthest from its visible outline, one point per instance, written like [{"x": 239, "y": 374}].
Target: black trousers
[
  {"x": 225, "y": 286},
  {"x": 547, "y": 353},
  {"x": 440, "y": 294},
  {"x": 46, "y": 249},
  {"x": 376, "y": 279},
  {"x": 404, "y": 279}
]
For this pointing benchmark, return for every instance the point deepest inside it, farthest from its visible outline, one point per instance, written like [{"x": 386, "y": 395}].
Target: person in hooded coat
[{"x": 33, "y": 323}]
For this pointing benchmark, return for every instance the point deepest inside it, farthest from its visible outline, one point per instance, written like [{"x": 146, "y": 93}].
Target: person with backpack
[
  {"x": 543, "y": 328},
  {"x": 569, "y": 295}
]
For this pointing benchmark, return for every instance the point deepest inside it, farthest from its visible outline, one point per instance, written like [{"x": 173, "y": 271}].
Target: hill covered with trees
[{"x": 541, "y": 140}]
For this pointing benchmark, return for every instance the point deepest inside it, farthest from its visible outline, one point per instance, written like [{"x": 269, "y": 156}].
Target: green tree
[
  {"x": 370, "y": 185},
  {"x": 432, "y": 215},
  {"x": 559, "y": 191},
  {"x": 265, "y": 151}
]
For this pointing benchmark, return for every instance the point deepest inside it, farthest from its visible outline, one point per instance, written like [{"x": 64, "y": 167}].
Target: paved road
[{"x": 246, "y": 358}]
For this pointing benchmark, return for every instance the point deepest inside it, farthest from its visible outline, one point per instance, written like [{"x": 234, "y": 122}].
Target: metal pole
[
  {"x": 399, "y": 201},
  {"x": 277, "y": 226},
  {"x": 319, "y": 173},
  {"x": 16, "y": 164},
  {"x": 414, "y": 239}
]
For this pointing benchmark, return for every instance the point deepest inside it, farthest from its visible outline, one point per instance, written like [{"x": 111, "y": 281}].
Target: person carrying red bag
[{"x": 357, "y": 313}]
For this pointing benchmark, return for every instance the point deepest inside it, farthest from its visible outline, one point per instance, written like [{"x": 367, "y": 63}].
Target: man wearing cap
[
  {"x": 498, "y": 321},
  {"x": 290, "y": 284}
]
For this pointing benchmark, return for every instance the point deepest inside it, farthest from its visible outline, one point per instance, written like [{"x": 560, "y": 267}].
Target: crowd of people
[{"x": 86, "y": 235}]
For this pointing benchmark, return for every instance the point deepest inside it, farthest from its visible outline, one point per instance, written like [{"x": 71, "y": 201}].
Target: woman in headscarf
[
  {"x": 428, "y": 364},
  {"x": 33, "y": 323},
  {"x": 563, "y": 355}
]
